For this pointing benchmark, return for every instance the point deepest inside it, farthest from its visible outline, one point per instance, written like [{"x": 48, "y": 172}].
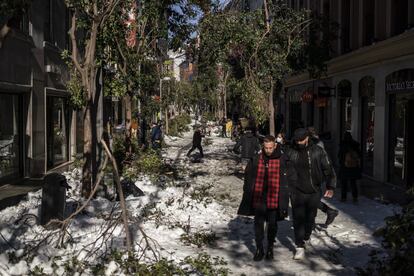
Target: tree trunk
[
  {"x": 90, "y": 128},
  {"x": 87, "y": 152},
  {"x": 271, "y": 111}
]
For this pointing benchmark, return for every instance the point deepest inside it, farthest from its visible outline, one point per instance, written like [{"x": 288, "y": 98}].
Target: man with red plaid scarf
[{"x": 265, "y": 194}]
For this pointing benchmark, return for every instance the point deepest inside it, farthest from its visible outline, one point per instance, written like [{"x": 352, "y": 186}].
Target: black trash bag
[{"x": 129, "y": 188}]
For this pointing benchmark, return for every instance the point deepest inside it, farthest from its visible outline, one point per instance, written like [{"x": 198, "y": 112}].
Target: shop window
[
  {"x": 399, "y": 16},
  {"x": 369, "y": 22},
  {"x": 20, "y": 22},
  {"x": 400, "y": 85},
  {"x": 345, "y": 26},
  {"x": 367, "y": 99},
  {"x": 58, "y": 126},
  {"x": 48, "y": 22},
  {"x": 10, "y": 137}
]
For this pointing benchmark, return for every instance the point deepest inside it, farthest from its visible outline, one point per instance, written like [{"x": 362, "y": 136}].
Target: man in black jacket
[
  {"x": 311, "y": 168},
  {"x": 197, "y": 137},
  {"x": 249, "y": 145},
  {"x": 331, "y": 213},
  {"x": 266, "y": 194}
]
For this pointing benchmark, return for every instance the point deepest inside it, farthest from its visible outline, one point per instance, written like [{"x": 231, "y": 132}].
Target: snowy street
[
  {"x": 336, "y": 250},
  {"x": 200, "y": 201}
]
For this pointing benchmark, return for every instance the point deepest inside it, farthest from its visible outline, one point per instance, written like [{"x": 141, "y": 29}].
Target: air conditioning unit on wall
[{"x": 52, "y": 69}]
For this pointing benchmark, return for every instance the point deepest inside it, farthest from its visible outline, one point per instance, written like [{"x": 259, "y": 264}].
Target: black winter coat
[
  {"x": 321, "y": 167},
  {"x": 197, "y": 138},
  {"x": 246, "y": 205},
  {"x": 249, "y": 145}
]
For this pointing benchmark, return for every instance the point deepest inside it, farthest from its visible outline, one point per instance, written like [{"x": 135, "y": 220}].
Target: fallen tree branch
[{"x": 121, "y": 196}]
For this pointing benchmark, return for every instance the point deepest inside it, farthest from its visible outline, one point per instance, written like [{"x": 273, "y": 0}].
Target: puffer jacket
[{"x": 321, "y": 167}]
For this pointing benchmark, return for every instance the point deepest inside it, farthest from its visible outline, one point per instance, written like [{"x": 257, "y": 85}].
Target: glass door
[{"x": 57, "y": 124}]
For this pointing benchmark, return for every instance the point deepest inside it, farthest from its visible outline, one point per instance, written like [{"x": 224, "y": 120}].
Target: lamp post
[{"x": 166, "y": 113}]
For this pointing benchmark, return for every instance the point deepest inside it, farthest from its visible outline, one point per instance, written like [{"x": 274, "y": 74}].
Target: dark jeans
[
  {"x": 196, "y": 147},
  {"x": 304, "y": 209},
  {"x": 344, "y": 187},
  {"x": 324, "y": 207},
  {"x": 223, "y": 131},
  {"x": 260, "y": 217}
]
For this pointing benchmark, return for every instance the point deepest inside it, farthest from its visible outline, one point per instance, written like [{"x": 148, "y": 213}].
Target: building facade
[
  {"x": 368, "y": 88},
  {"x": 38, "y": 129}
]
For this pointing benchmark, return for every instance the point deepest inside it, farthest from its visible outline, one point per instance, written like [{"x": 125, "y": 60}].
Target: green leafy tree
[
  {"x": 258, "y": 50},
  {"x": 155, "y": 27},
  {"x": 88, "y": 19}
]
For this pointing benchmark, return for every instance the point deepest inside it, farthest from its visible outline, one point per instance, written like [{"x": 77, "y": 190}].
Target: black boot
[
  {"x": 330, "y": 216},
  {"x": 269, "y": 253},
  {"x": 258, "y": 256}
]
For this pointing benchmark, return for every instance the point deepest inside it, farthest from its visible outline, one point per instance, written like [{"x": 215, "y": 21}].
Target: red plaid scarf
[{"x": 273, "y": 183}]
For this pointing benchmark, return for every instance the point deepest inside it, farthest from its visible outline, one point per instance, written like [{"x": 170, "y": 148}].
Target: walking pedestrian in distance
[
  {"x": 266, "y": 194},
  {"x": 350, "y": 166},
  {"x": 156, "y": 136},
  {"x": 311, "y": 168},
  {"x": 331, "y": 213},
  {"x": 197, "y": 138},
  {"x": 223, "y": 122}
]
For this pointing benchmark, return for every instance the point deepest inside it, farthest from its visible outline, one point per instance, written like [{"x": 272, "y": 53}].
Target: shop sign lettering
[{"x": 403, "y": 85}]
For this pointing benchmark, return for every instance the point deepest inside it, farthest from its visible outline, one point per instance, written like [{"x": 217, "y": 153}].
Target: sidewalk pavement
[{"x": 11, "y": 194}]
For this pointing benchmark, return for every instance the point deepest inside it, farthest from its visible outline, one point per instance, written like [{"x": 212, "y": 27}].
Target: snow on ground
[{"x": 202, "y": 199}]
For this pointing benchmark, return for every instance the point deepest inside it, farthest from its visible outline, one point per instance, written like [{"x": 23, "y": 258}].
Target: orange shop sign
[{"x": 307, "y": 96}]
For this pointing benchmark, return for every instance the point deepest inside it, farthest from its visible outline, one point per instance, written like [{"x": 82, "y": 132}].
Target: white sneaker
[
  {"x": 312, "y": 242},
  {"x": 299, "y": 254}
]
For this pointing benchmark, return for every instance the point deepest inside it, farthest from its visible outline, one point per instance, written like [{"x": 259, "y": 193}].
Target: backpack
[{"x": 352, "y": 159}]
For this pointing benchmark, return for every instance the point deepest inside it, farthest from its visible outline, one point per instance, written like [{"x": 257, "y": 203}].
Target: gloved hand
[{"x": 282, "y": 214}]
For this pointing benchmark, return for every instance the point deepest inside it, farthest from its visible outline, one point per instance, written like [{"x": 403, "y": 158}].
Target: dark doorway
[{"x": 295, "y": 116}]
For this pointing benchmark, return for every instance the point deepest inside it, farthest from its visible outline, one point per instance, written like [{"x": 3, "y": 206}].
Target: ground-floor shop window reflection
[
  {"x": 10, "y": 134},
  {"x": 367, "y": 98},
  {"x": 401, "y": 132}
]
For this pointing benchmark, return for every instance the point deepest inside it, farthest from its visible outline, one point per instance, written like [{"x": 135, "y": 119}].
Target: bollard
[{"x": 53, "y": 198}]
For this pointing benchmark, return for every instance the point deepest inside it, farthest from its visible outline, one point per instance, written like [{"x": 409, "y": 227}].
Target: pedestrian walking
[
  {"x": 223, "y": 122},
  {"x": 331, "y": 213},
  {"x": 248, "y": 146},
  {"x": 197, "y": 137},
  {"x": 265, "y": 194},
  {"x": 229, "y": 127},
  {"x": 156, "y": 136},
  {"x": 311, "y": 168},
  {"x": 349, "y": 166}
]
